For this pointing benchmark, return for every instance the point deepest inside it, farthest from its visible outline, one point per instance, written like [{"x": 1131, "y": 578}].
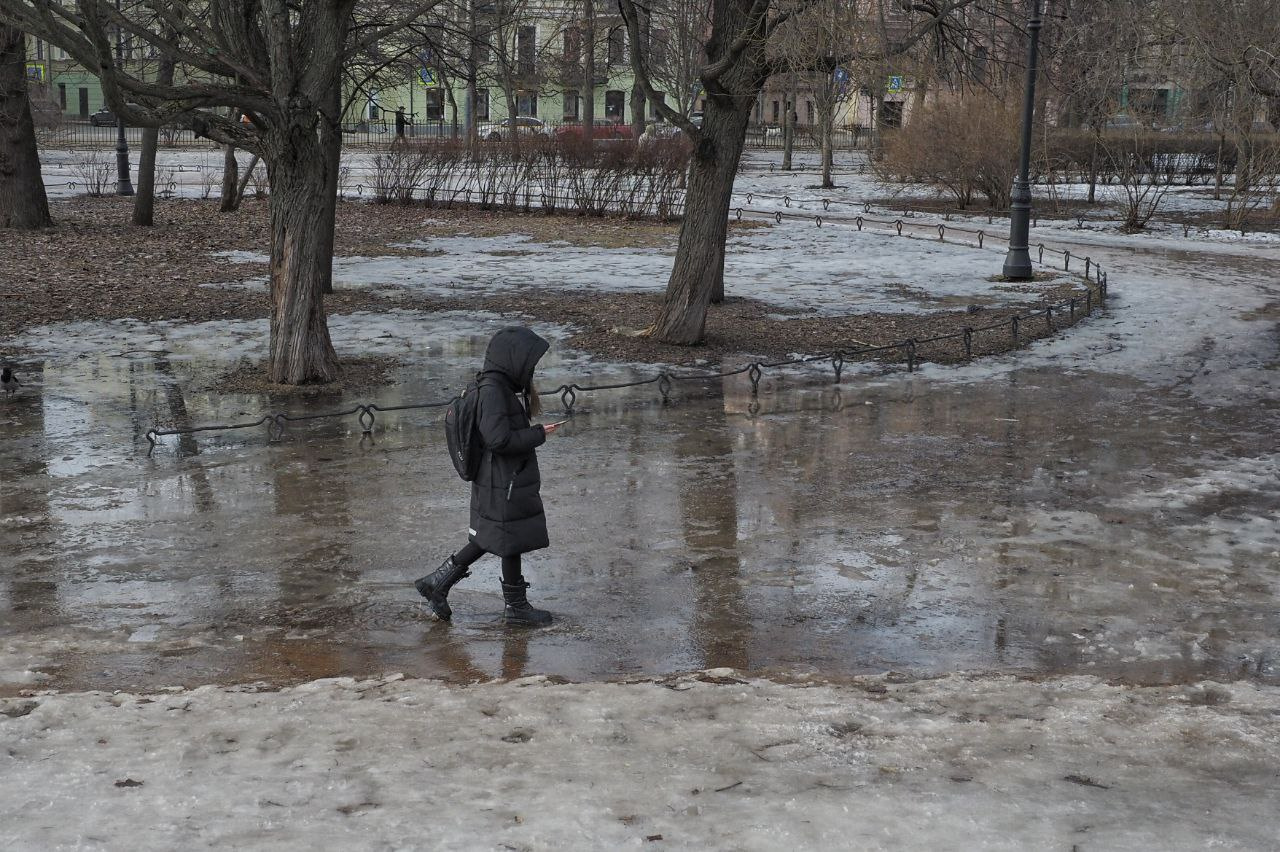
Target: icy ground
[
  {"x": 1071, "y": 555},
  {"x": 694, "y": 762}
]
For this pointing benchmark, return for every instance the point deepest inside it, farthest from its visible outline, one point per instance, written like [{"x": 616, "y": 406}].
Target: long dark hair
[{"x": 532, "y": 402}]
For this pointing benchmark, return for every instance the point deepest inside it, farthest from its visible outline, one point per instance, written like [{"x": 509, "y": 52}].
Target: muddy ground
[{"x": 95, "y": 265}]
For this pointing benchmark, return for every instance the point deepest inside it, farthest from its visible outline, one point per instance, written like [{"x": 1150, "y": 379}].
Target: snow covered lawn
[{"x": 700, "y": 761}]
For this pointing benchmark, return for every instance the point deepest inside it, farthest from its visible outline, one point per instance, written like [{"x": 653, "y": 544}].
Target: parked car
[
  {"x": 525, "y": 125},
  {"x": 605, "y": 130},
  {"x": 104, "y": 117}
]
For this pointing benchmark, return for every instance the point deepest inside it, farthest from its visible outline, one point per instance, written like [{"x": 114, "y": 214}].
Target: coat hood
[{"x": 513, "y": 353}]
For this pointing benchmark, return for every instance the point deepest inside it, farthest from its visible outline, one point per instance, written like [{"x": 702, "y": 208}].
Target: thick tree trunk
[
  {"x": 23, "y": 203},
  {"x": 699, "y": 263},
  {"x": 229, "y": 200},
  {"x": 144, "y": 201},
  {"x": 301, "y": 350},
  {"x": 331, "y": 143}
]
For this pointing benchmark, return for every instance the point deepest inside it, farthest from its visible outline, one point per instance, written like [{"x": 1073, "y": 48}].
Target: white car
[{"x": 525, "y": 125}]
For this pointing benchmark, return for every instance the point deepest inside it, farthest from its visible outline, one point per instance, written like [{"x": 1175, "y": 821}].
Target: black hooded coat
[{"x": 506, "y": 507}]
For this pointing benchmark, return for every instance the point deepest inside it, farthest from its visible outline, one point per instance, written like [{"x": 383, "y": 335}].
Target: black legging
[{"x": 510, "y": 564}]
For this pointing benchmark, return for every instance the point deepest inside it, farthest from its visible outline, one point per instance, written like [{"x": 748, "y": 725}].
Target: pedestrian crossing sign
[{"x": 427, "y": 77}]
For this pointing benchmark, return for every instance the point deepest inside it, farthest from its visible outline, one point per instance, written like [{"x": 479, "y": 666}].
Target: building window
[
  {"x": 572, "y": 45},
  {"x": 526, "y": 47},
  {"x": 808, "y": 111},
  {"x": 39, "y": 49},
  {"x": 373, "y": 111},
  {"x": 482, "y": 50},
  {"x": 615, "y": 101},
  {"x": 482, "y": 105},
  {"x": 617, "y": 46},
  {"x": 571, "y": 105},
  {"x": 658, "y": 41},
  {"x": 62, "y": 96},
  {"x": 434, "y": 107},
  {"x": 891, "y": 114},
  {"x": 527, "y": 103},
  {"x": 776, "y": 112},
  {"x": 84, "y": 102}
]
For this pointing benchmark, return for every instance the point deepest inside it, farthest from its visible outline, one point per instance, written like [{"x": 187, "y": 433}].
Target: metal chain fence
[{"x": 970, "y": 341}]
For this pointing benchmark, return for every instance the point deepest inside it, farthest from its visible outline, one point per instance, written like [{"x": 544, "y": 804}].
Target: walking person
[
  {"x": 507, "y": 517},
  {"x": 402, "y": 121}
]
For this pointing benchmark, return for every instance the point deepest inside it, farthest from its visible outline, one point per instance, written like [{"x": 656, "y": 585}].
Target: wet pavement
[{"x": 1106, "y": 504}]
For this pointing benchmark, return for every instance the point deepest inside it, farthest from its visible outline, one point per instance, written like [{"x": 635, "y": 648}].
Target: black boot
[
  {"x": 519, "y": 610},
  {"x": 436, "y": 585}
]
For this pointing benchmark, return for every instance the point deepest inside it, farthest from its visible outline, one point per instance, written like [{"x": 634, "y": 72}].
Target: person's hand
[{"x": 550, "y": 428}]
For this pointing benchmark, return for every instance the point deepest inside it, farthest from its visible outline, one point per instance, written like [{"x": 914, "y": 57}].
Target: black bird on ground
[{"x": 9, "y": 382}]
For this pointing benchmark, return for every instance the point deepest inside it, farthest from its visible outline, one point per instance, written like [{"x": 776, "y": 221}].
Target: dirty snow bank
[{"x": 699, "y": 761}]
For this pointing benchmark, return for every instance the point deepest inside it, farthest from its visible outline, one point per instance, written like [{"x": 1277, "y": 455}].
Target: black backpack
[{"x": 462, "y": 431}]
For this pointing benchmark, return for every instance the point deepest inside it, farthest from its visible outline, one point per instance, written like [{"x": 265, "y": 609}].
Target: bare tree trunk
[
  {"x": 23, "y": 203},
  {"x": 699, "y": 262},
  {"x": 637, "y": 90},
  {"x": 1093, "y": 165},
  {"x": 828, "y": 155},
  {"x": 588, "y": 70},
  {"x": 301, "y": 350},
  {"x": 1217, "y": 169},
  {"x": 331, "y": 143},
  {"x": 144, "y": 201},
  {"x": 229, "y": 200},
  {"x": 788, "y": 129}
]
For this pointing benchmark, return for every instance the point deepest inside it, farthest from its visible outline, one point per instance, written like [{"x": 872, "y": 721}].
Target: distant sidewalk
[{"x": 702, "y": 761}]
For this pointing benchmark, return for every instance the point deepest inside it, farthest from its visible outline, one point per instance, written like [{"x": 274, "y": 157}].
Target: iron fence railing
[{"x": 1006, "y": 333}]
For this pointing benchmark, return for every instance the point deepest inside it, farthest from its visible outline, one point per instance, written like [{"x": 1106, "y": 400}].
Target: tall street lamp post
[
  {"x": 1017, "y": 263},
  {"x": 123, "y": 184}
]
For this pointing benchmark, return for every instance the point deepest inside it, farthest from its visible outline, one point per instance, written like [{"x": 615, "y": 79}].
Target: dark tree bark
[
  {"x": 301, "y": 260},
  {"x": 588, "y": 70},
  {"x": 331, "y": 143},
  {"x": 698, "y": 271},
  {"x": 735, "y": 73},
  {"x": 229, "y": 201},
  {"x": 144, "y": 201},
  {"x": 637, "y": 90},
  {"x": 788, "y": 129},
  {"x": 23, "y": 203}
]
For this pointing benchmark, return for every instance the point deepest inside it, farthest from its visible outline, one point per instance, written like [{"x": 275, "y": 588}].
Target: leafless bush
[
  {"x": 564, "y": 174},
  {"x": 166, "y": 182},
  {"x": 1257, "y": 185},
  {"x": 398, "y": 172},
  {"x": 208, "y": 180},
  {"x": 95, "y": 172},
  {"x": 963, "y": 146},
  {"x": 344, "y": 181},
  {"x": 257, "y": 177},
  {"x": 1142, "y": 178}
]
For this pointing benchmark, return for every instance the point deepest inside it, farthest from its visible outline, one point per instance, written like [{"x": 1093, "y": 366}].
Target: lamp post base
[
  {"x": 123, "y": 185},
  {"x": 1017, "y": 265}
]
